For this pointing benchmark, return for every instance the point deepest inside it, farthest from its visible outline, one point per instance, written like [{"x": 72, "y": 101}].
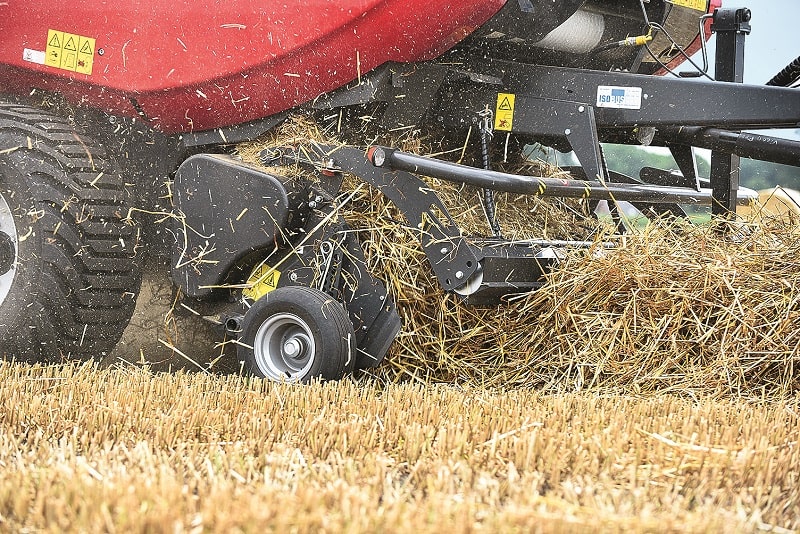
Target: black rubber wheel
[
  {"x": 297, "y": 334},
  {"x": 68, "y": 274}
]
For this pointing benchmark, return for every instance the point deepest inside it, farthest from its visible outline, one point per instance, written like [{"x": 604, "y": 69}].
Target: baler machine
[{"x": 288, "y": 281}]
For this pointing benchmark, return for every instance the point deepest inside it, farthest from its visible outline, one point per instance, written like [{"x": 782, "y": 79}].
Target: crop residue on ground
[{"x": 120, "y": 450}]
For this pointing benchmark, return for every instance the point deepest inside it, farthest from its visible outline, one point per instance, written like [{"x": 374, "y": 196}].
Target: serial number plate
[{"x": 619, "y": 97}]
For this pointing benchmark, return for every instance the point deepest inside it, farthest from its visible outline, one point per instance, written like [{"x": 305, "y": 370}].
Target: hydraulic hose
[
  {"x": 640, "y": 40},
  {"x": 788, "y": 75}
]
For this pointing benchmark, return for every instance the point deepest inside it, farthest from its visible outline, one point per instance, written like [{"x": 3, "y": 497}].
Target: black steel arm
[
  {"x": 744, "y": 144},
  {"x": 388, "y": 158},
  {"x": 454, "y": 260},
  {"x": 665, "y": 101}
]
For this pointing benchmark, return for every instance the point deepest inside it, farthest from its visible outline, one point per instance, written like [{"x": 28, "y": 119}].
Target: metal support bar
[
  {"x": 574, "y": 121},
  {"x": 665, "y": 101},
  {"x": 743, "y": 144},
  {"x": 390, "y": 159},
  {"x": 731, "y": 27}
]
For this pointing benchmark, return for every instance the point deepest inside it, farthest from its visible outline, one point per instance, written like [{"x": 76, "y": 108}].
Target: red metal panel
[
  {"x": 201, "y": 65},
  {"x": 696, "y": 44}
]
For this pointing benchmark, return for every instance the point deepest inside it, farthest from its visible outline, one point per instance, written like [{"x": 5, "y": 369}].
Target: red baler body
[{"x": 192, "y": 66}]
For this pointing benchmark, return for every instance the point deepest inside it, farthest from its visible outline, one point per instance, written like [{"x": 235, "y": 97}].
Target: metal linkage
[
  {"x": 391, "y": 159},
  {"x": 454, "y": 260},
  {"x": 480, "y": 270}
]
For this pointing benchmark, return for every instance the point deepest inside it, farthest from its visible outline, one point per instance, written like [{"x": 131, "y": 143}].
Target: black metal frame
[
  {"x": 731, "y": 27},
  {"x": 559, "y": 106},
  {"x": 564, "y": 105}
]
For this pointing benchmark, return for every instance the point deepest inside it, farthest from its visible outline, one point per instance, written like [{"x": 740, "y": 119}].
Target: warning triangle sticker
[
  {"x": 505, "y": 105},
  {"x": 54, "y": 42},
  {"x": 70, "y": 45},
  {"x": 86, "y": 48}
]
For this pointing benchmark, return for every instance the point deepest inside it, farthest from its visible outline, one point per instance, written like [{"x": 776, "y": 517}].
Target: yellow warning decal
[
  {"x": 504, "y": 113},
  {"x": 699, "y": 5},
  {"x": 264, "y": 279},
  {"x": 69, "y": 51}
]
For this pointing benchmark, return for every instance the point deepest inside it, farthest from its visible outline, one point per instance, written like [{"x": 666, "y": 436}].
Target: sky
[{"x": 774, "y": 40}]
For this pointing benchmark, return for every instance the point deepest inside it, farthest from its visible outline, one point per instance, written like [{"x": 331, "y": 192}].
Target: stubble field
[{"x": 85, "y": 449}]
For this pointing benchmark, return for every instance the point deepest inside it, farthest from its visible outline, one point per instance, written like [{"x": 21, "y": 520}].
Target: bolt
[
  {"x": 312, "y": 204},
  {"x": 459, "y": 275},
  {"x": 444, "y": 250},
  {"x": 293, "y": 277},
  {"x": 378, "y": 157},
  {"x": 567, "y": 131},
  {"x": 581, "y": 109},
  {"x": 292, "y": 348}
]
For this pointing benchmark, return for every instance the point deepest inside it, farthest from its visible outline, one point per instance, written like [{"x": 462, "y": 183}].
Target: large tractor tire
[{"x": 68, "y": 272}]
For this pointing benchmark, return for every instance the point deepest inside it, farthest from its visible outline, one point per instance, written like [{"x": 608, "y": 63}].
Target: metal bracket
[
  {"x": 454, "y": 260},
  {"x": 560, "y": 118},
  {"x": 731, "y": 27},
  {"x": 331, "y": 261},
  {"x": 684, "y": 157}
]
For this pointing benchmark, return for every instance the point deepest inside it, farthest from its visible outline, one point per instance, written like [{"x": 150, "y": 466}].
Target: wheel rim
[
  {"x": 8, "y": 249},
  {"x": 284, "y": 347}
]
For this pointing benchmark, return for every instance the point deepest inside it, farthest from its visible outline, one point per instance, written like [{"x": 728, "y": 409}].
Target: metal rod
[
  {"x": 391, "y": 159},
  {"x": 743, "y": 144}
]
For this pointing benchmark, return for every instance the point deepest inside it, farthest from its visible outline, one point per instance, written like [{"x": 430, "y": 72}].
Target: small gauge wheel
[{"x": 297, "y": 334}]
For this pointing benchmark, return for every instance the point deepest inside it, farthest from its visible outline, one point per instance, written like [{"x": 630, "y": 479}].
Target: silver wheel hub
[
  {"x": 284, "y": 347},
  {"x": 9, "y": 245},
  {"x": 292, "y": 348}
]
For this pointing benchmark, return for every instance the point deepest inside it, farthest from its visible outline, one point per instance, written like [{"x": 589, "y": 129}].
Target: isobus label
[{"x": 619, "y": 97}]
